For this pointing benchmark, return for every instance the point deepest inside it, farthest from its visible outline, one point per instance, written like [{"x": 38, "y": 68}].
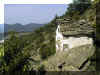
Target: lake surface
[{"x": 1, "y": 36}]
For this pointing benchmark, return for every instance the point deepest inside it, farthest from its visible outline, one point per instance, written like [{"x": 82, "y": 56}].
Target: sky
[
  {"x": 1, "y": 28},
  {"x": 32, "y": 13}
]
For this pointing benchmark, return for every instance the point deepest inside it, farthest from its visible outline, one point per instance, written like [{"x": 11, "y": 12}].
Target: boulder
[{"x": 72, "y": 60}]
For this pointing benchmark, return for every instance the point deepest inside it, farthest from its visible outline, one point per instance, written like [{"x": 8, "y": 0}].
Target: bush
[
  {"x": 14, "y": 58},
  {"x": 47, "y": 50}
]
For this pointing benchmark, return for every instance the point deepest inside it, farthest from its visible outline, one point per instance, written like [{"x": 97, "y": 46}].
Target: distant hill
[
  {"x": 22, "y": 28},
  {"x": 1, "y": 36}
]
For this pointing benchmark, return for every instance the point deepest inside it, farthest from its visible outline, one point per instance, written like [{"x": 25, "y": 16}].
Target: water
[
  {"x": 1, "y": 36},
  {"x": 1, "y": 41}
]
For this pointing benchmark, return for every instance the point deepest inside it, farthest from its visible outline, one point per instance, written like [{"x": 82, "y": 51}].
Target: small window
[{"x": 65, "y": 46}]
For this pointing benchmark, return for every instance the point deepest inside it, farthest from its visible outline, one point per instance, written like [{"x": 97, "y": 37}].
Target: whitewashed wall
[{"x": 59, "y": 39}]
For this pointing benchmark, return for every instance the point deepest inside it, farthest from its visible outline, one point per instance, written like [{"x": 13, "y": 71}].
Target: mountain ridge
[{"x": 21, "y": 28}]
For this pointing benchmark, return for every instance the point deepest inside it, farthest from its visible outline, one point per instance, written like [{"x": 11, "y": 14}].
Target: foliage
[
  {"x": 1, "y": 51},
  {"x": 13, "y": 56},
  {"x": 1, "y": 56},
  {"x": 96, "y": 1},
  {"x": 47, "y": 50},
  {"x": 19, "y": 48},
  {"x": 77, "y": 8}
]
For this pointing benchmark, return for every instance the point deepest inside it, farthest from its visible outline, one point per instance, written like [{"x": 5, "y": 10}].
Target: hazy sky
[
  {"x": 34, "y": 13},
  {"x": 1, "y": 28}
]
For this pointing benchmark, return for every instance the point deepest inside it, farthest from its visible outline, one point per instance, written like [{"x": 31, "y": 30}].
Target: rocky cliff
[
  {"x": 77, "y": 58},
  {"x": 73, "y": 60}
]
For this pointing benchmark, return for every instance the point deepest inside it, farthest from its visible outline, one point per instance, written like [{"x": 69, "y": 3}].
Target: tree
[
  {"x": 14, "y": 55},
  {"x": 78, "y": 6}
]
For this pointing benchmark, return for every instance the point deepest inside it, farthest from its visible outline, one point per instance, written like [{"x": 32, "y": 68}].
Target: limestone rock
[
  {"x": 81, "y": 27},
  {"x": 70, "y": 60}
]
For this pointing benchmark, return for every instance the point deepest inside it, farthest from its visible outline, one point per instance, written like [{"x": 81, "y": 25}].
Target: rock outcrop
[
  {"x": 75, "y": 59},
  {"x": 70, "y": 28},
  {"x": 78, "y": 39}
]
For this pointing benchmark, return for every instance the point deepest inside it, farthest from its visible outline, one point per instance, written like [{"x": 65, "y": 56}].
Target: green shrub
[
  {"x": 47, "y": 50},
  {"x": 1, "y": 51}
]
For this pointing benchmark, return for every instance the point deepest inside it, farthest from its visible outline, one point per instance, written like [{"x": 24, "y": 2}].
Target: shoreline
[{"x": 1, "y": 41}]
